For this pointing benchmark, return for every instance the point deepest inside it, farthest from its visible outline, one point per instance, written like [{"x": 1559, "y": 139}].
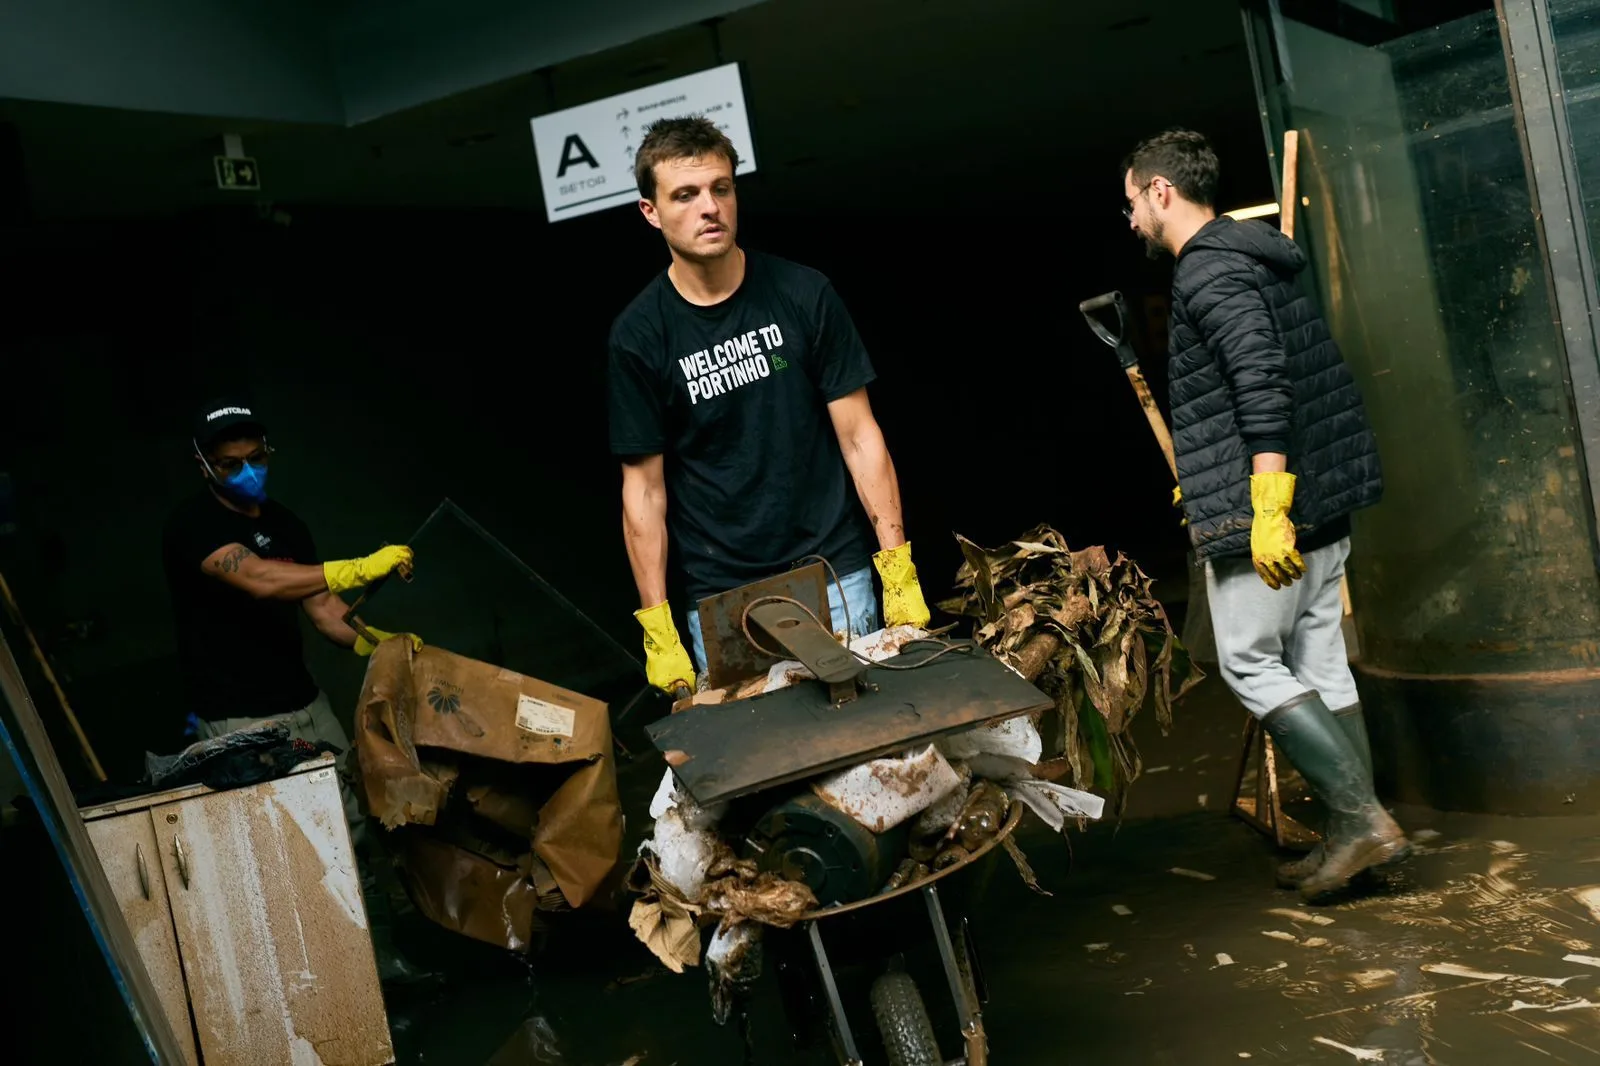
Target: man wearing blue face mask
[{"x": 239, "y": 566}]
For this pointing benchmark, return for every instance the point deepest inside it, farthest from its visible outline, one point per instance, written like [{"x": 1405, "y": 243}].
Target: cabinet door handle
[
  {"x": 144, "y": 871},
  {"x": 183, "y": 860}
]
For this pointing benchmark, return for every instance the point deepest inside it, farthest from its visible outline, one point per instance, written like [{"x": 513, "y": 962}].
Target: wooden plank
[
  {"x": 131, "y": 858},
  {"x": 723, "y": 751},
  {"x": 272, "y": 928},
  {"x": 53, "y": 797}
]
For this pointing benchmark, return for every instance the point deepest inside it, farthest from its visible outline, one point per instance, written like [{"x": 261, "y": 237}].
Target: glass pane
[
  {"x": 1575, "y": 24},
  {"x": 1427, "y": 259},
  {"x": 471, "y": 596}
]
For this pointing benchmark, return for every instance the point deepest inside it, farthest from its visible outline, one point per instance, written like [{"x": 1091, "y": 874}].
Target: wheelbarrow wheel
[{"x": 903, "y": 1021}]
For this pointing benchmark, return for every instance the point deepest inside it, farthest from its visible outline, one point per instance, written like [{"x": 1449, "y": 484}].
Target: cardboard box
[{"x": 471, "y": 764}]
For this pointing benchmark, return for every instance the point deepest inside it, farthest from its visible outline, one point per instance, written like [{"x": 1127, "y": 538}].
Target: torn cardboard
[{"x": 488, "y": 766}]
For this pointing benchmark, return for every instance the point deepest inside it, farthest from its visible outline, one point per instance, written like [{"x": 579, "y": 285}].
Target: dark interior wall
[
  {"x": 405, "y": 357},
  {"x": 405, "y": 354}
]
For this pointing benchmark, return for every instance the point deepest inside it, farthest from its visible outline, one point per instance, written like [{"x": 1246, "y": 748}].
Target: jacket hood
[{"x": 1252, "y": 237}]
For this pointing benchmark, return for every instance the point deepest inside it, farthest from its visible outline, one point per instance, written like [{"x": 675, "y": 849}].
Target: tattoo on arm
[{"x": 229, "y": 564}]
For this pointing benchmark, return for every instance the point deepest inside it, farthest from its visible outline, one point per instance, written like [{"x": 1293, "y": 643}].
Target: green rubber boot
[
  {"x": 1354, "y": 725},
  {"x": 1360, "y": 834}
]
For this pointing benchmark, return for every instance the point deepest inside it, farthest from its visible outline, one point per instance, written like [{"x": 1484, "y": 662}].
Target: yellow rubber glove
[
  {"x": 364, "y": 649},
  {"x": 1177, "y": 501},
  {"x": 1272, "y": 534},
  {"x": 343, "y": 575},
  {"x": 666, "y": 660},
  {"x": 902, "y": 595}
]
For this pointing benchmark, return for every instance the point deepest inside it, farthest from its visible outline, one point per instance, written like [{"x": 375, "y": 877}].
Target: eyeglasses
[
  {"x": 1127, "y": 212},
  {"x": 230, "y": 465}
]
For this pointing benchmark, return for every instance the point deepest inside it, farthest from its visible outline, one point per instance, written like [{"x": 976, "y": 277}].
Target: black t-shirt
[
  {"x": 734, "y": 396},
  {"x": 241, "y": 657}
]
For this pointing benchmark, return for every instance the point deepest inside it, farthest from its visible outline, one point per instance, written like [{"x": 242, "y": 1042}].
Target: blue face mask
[{"x": 248, "y": 486}]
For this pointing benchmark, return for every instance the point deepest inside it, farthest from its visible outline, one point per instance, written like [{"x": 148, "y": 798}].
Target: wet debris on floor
[
  {"x": 1192, "y": 874},
  {"x": 1360, "y": 1054},
  {"x": 1301, "y": 916}
]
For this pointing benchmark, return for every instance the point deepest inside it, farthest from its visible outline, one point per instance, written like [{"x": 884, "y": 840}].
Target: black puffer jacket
[{"x": 1253, "y": 369}]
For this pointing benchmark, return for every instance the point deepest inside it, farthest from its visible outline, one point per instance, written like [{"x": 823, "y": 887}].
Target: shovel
[
  {"x": 1197, "y": 637},
  {"x": 1129, "y": 361}
]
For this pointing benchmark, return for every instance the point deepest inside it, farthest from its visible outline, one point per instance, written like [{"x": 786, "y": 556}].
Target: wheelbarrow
[
  {"x": 901, "y": 1015},
  {"x": 757, "y": 754}
]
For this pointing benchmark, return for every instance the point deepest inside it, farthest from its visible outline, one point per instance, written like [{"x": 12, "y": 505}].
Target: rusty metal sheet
[
  {"x": 729, "y": 657},
  {"x": 723, "y": 751}
]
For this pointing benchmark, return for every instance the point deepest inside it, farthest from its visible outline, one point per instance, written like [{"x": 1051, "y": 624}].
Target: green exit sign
[{"x": 237, "y": 172}]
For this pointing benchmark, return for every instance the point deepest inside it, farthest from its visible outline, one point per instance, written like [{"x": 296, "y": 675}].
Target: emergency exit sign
[
  {"x": 585, "y": 153},
  {"x": 237, "y": 172}
]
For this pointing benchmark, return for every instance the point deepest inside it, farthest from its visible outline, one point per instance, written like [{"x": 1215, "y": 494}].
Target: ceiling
[{"x": 892, "y": 105}]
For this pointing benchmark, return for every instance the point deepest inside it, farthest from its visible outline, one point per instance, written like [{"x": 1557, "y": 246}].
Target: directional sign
[
  {"x": 237, "y": 172},
  {"x": 586, "y": 153}
]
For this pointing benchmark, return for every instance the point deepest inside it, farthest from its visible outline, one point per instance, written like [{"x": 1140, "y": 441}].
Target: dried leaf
[
  {"x": 1074, "y": 612},
  {"x": 1103, "y": 631}
]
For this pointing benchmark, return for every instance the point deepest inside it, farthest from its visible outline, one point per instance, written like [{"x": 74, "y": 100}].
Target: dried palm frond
[{"x": 1084, "y": 628}]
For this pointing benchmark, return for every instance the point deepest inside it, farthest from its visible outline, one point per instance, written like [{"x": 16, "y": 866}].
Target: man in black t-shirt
[
  {"x": 240, "y": 568},
  {"x": 738, "y": 392}
]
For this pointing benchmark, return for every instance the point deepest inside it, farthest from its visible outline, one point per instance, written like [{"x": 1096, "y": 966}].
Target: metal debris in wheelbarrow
[{"x": 851, "y": 783}]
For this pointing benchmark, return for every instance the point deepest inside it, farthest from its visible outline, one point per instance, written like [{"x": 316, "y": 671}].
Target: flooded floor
[{"x": 1485, "y": 949}]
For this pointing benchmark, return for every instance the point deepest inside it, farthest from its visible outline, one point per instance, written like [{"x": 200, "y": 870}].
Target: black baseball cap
[{"x": 224, "y": 413}]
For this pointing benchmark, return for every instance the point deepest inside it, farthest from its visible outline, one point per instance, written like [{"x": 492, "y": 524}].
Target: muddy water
[{"x": 1484, "y": 950}]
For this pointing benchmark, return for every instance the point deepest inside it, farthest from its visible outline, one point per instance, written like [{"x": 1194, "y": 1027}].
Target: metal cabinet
[{"x": 246, "y": 907}]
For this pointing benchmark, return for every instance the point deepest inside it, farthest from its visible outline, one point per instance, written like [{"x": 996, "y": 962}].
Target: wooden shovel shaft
[
  {"x": 50, "y": 676},
  {"x": 1158, "y": 425}
]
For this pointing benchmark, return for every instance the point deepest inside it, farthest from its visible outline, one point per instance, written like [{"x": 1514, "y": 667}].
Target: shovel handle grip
[{"x": 1095, "y": 303}]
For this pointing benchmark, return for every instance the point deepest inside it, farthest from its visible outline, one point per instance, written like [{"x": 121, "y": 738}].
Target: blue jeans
[{"x": 858, "y": 593}]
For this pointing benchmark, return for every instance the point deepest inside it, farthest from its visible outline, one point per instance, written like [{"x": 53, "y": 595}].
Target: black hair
[{"x": 1184, "y": 158}]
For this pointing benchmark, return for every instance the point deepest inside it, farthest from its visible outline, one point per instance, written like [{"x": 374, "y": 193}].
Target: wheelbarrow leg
[
  {"x": 966, "y": 1009},
  {"x": 841, "y": 1024}
]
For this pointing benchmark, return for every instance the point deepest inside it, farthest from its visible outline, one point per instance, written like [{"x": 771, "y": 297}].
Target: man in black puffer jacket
[{"x": 1274, "y": 452}]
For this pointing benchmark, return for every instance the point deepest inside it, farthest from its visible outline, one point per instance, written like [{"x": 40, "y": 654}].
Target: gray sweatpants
[{"x": 1274, "y": 645}]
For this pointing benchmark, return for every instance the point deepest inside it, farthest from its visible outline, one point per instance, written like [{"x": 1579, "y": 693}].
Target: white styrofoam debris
[
  {"x": 683, "y": 854},
  {"x": 882, "y": 793},
  {"x": 1117, "y": 908},
  {"x": 1055, "y": 803},
  {"x": 671, "y": 796},
  {"x": 1195, "y": 874},
  {"x": 1017, "y": 737},
  {"x": 666, "y": 796},
  {"x": 728, "y": 938},
  {"x": 943, "y": 812}
]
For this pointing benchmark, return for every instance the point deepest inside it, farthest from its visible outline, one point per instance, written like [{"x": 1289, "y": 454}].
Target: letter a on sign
[{"x": 575, "y": 151}]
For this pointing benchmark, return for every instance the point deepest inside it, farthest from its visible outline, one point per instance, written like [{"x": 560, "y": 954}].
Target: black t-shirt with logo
[
  {"x": 734, "y": 396},
  {"x": 241, "y": 657}
]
